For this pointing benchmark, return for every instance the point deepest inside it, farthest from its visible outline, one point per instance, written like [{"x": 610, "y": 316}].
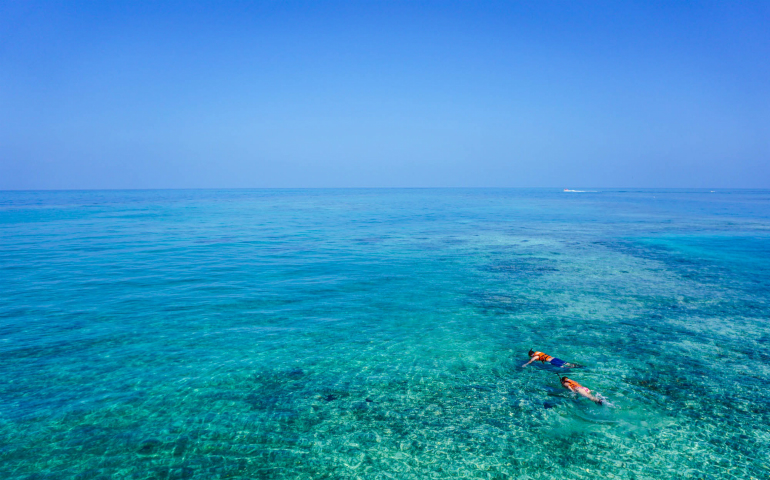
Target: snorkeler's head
[{"x": 531, "y": 352}]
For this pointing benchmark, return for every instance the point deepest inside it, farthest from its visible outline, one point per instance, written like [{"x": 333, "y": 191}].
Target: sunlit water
[{"x": 380, "y": 334}]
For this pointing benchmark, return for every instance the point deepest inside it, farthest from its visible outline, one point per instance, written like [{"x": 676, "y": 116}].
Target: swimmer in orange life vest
[
  {"x": 574, "y": 386},
  {"x": 542, "y": 357}
]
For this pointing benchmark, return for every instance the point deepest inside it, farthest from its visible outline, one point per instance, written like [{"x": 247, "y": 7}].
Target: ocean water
[{"x": 379, "y": 334}]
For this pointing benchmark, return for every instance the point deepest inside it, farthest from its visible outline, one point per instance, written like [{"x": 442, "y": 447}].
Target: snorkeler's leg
[{"x": 587, "y": 393}]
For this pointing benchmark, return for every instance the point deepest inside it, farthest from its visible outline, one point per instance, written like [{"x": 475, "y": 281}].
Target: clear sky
[{"x": 143, "y": 94}]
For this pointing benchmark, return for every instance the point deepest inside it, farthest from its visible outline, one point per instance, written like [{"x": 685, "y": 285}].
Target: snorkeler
[
  {"x": 542, "y": 357},
  {"x": 573, "y": 386}
]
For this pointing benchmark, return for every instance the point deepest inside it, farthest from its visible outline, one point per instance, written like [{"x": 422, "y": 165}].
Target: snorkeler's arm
[{"x": 530, "y": 361}]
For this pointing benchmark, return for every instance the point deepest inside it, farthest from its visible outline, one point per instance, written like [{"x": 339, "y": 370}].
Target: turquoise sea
[{"x": 379, "y": 334}]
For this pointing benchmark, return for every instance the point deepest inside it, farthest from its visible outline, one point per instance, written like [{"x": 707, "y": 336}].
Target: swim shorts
[{"x": 557, "y": 362}]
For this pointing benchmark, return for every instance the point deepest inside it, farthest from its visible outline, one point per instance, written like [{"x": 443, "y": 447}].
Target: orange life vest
[
  {"x": 542, "y": 357},
  {"x": 571, "y": 384}
]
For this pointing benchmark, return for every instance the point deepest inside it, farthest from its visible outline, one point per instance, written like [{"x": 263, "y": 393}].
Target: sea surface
[{"x": 380, "y": 334}]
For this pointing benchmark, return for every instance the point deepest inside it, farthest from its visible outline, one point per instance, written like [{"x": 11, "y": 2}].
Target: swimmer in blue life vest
[
  {"x": 542, "y": 357},
  {"x": 574, "y": 386}
]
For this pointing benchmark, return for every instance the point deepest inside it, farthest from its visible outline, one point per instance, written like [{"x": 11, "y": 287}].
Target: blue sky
[{"x": 384, "y": 94}]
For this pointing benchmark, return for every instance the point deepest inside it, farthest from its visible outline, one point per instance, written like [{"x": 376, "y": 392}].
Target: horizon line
[{"x": 570, "y": 190}]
